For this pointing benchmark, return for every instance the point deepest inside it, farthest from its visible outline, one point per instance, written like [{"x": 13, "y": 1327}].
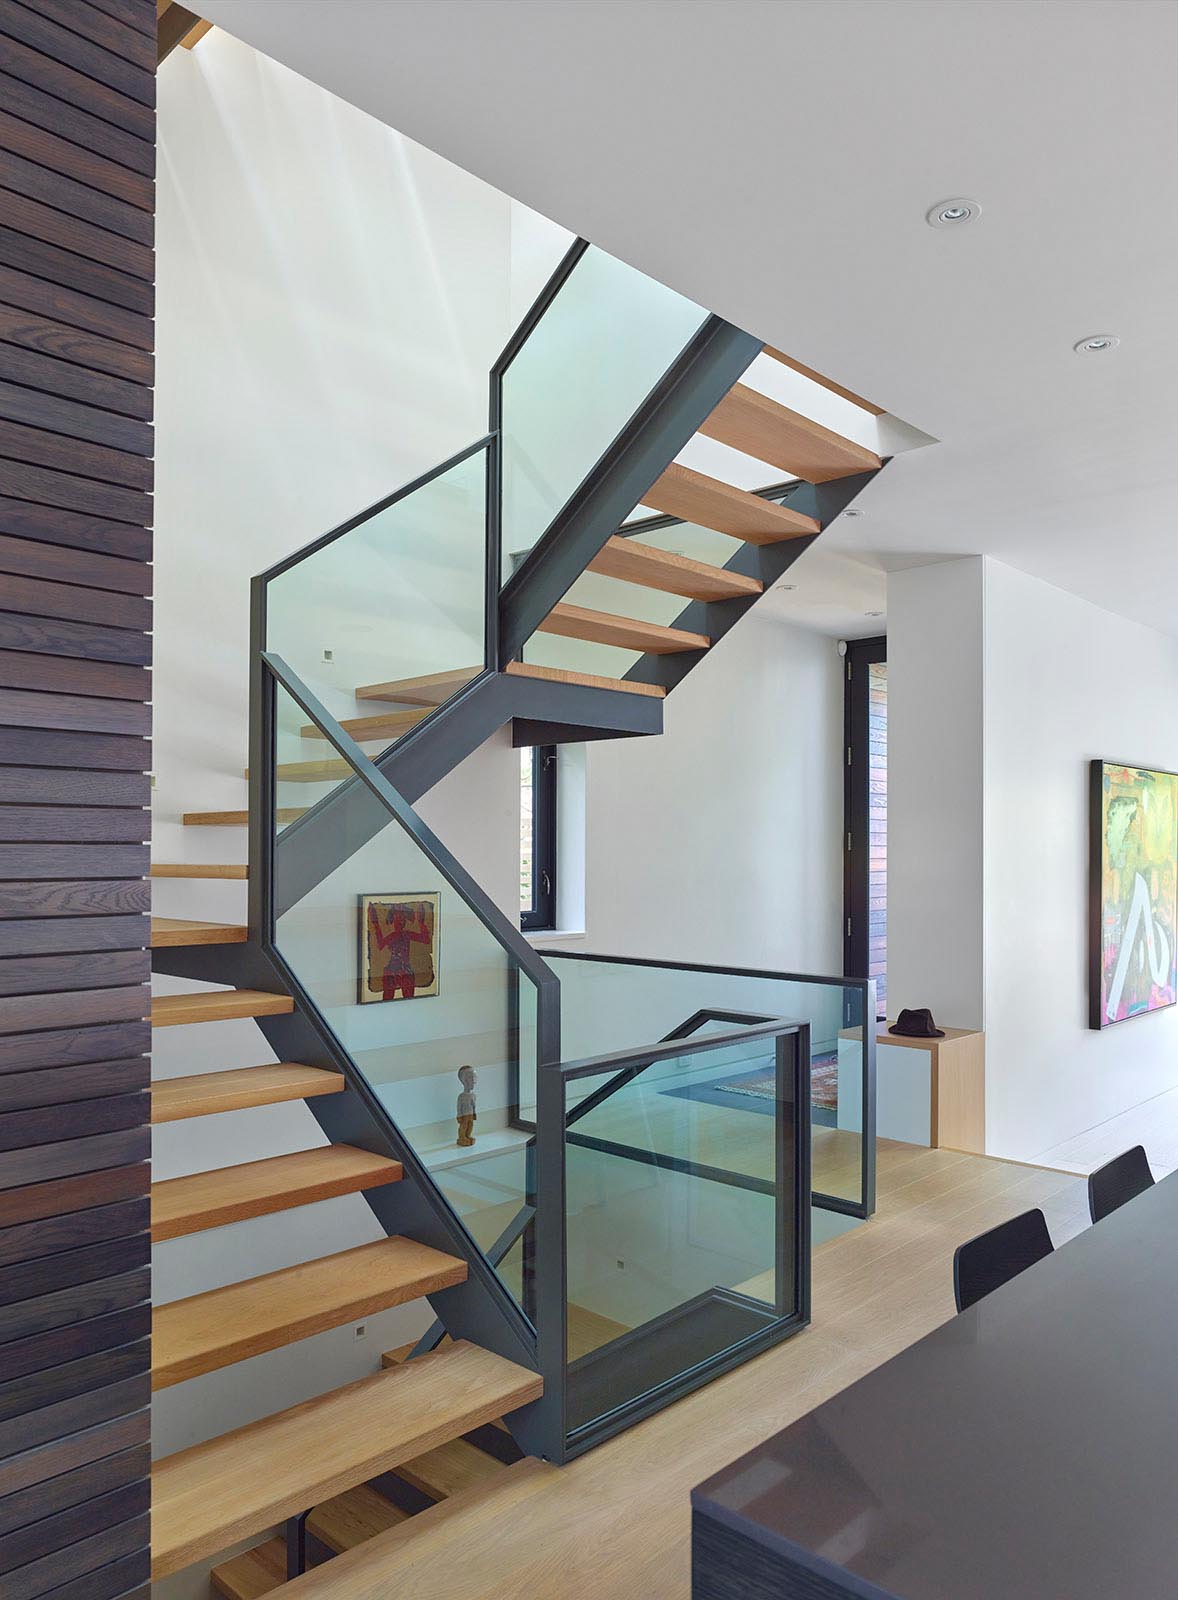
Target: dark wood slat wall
[{"x": 77, "y": 213}]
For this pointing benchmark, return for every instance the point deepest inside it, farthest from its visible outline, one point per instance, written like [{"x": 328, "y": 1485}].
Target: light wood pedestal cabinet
[{"x": 928, "y": 1091}]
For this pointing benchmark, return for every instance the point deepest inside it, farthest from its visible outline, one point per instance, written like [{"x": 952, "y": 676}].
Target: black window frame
[
  {"x": 541, "y": 915},
  {"x": 861, "y": 654}
]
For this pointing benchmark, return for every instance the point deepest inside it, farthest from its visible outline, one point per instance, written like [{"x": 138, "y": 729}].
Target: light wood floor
[
  {"x": 1153, "y": 1123},
  {"x": 616, "y": 1523}
]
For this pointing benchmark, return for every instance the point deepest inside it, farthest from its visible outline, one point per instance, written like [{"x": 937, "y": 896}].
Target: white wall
[
  {"x": 935, "y": 792},
  {"x": 1065, "y": 682},
  {"x": 1001, "y": 689},
  {"x": 721, "y": 841},
  {"x": 329, "y": 300},
  {"x": 330, "y": 297}
]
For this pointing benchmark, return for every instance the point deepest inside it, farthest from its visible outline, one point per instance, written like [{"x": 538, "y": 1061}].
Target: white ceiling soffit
[{"x": 774, "y": 160}]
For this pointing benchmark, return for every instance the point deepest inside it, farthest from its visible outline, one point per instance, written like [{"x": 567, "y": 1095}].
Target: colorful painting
[
  {"x": 1133, "y": 891},
  {"x": 398, "y": 946}
]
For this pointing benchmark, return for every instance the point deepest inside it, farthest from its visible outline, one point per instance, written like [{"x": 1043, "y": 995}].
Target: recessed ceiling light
[
  {"x": 1095, "y": 344},
  {"x": 952, "y": 213},
  {"x": 852, "y": 511}
]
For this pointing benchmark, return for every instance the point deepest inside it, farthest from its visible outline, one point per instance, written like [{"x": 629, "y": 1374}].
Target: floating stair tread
[
  {"x": 449, "y": 1469},
  {"x": 826, "y": 383},
  {"x": 602, "y": 627},
  {"x": 236, "y": 819},
  {"x": 354, "y": 1516},
  {"x": 764, "y": 428},
  {"x": 253, "y": 1573},
  {"x": 257, "y": 1188},
  {"x": 422, "y": 1550},
  {"x": 428, "y": 690},
  {"x": 217, "y": 1005},
  {"x": 217, "y": 1328},
  {"x": 672, "y": 573},
  {"x": 212, "y": 1494},
  {"x": 167, "y": 932},
  {"x": 203, "y": 1094},
  {"x": 587, "y": 680},
  {"x": 385, "y": 725},
  {"x": 182, "y": 869},
  {"x": 311, "y": 771},
  {"x": 711, "y": 503}
]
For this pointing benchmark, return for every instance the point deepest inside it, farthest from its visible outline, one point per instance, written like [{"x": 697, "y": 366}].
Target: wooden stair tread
[
  {"x": 602, "y": 627},
  {"x": 253, "y": 1573},
  {"x": 236, "y": 819},
  {"x": 222, "y": 1326},
  {"x": 670, "y": 572},
  {"x": 350, "y": 1518},
  {"x": 183, "y": 869},
  {"x": 167, "y": 932},
  {"x": 203, "y": 1094},
  {"x": 311, "y": 771},
  {"x": 588, "y": 680},
  {"x": 826, "y": 383},
  {"x": 430, "y": 689},
  {"x": 257, "y": 1188},
  {"x": 422, "y": 1550},
  {"x": 711, "y": 503},
  {"x": 449, "y": 1468},
  {"x": 771, "y": 432},
  {"x": 212, "y": 1494},
  {"x": 217, "y": 1005},
  {"x": 385, "y": 725}
]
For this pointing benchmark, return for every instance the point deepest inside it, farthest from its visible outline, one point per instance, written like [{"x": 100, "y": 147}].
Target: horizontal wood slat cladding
[{"x": 77, "y": 212}]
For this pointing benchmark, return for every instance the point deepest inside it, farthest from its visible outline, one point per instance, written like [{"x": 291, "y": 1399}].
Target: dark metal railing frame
[
  {"x": 864, "y": 987},
  {"x": 704, "y": 370},
  {"x": 551, "y": 1247}
]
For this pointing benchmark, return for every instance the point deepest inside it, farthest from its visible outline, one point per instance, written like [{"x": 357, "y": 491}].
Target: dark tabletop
[{"x": 1027, "y": 1450}]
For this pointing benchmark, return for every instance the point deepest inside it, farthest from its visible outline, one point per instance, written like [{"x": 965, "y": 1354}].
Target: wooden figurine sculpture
[{"x": 466, "y": 1110}]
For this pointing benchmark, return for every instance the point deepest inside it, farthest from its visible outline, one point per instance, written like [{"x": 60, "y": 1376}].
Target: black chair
[
  {"x": 1117, "y": 1181},
  {"x": 996, "y": 1256}
]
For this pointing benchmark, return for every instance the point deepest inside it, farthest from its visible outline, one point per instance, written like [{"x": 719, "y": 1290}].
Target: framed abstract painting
[
  {"x": 398, "y": 946},
  {"x": 1133, "y": 892}
]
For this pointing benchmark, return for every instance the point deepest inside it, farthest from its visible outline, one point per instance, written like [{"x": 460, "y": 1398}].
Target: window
[
  {"x": 865, "y": 940},
  {"x": 537, "y": 837}
]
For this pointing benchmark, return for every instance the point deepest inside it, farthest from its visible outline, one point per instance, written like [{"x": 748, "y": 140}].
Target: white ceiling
[{"x": 774, "y": 160}]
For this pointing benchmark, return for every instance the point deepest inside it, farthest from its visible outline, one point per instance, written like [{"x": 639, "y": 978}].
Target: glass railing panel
[
  {"x": 578, "y": 655},
  {"x": 418, "y": 990},
  {"x": 601, "y": 346},
  {"x": 396, "y": 599},
  {"x": 689, "y": 539},
  {"x": 609, "y": 1005},
  {"x": 682, "y": 1223}
]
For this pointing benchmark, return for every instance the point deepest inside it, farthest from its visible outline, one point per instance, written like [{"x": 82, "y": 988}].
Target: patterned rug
[
  {"x": 759, "y": 1088},
  {"x": 824, "y": 1083}
]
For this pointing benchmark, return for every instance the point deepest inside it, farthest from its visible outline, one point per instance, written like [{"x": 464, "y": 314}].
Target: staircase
[
  {"x": 313, "y": 1462},
  {"x": 568, "y": 610}
]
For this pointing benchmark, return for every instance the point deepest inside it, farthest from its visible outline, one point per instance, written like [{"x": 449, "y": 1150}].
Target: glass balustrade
[
  {"x": 685, "y": 1220},
  {"x": 416, "y": 977},
  {"x": 385, "y": 618},
  {"x": 610, "y": 1004},
  {"x": 604, "y": 341}
]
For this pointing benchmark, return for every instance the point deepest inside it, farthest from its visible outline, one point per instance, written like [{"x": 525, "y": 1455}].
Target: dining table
[{"x": 1027, "y": 1449}]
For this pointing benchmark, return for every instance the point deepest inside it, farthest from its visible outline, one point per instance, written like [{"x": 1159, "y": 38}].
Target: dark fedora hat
[{"x": 917, "y": 1025}]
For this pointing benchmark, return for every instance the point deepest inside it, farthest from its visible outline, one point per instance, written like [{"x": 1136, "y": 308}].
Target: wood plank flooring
[{"x": 616, "y": 1523}]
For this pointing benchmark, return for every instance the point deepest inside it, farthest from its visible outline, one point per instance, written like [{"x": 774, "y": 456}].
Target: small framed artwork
[
  {"x": 1132, "y": 892},
  {"x": 398, "y": 946}
]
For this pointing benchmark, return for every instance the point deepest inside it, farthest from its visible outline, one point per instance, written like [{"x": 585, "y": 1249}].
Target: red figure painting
[{"x": 399, "y": 947}]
